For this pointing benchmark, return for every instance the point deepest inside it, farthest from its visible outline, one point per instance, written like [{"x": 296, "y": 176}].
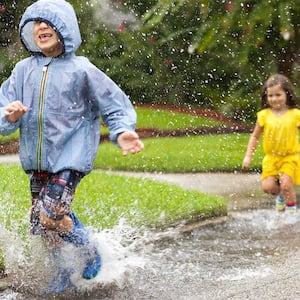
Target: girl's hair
[{"x": 286, "y": 85}]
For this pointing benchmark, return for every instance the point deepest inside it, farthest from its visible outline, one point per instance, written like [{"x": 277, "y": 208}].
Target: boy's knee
[{"x": 62, "y": 226}]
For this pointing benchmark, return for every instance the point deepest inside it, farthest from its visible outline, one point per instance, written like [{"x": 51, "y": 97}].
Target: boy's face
[{"x": 47, "y": 39}]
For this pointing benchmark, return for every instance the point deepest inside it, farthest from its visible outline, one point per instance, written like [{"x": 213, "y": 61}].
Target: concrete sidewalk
[{"x": 9, "y": 158}]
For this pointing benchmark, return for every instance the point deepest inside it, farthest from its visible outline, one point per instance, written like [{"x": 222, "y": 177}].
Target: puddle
[{"x": 186, "y": 266}]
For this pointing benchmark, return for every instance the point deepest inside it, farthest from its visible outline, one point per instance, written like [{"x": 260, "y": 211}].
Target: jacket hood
[{"x": 60, "y": 15}]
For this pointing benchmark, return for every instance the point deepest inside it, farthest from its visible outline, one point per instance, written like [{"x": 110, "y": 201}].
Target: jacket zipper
[{"x": 41, "y": 105}]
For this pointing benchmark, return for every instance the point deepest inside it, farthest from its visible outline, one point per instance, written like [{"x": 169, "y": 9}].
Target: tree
[
  {"x": 213, "y": 53},
  {"x": 258, "y": 32},
  {"x": 244, "y": 41},
  {"x": 10, "y": 50},
  {"x": 151, "y": 61}
]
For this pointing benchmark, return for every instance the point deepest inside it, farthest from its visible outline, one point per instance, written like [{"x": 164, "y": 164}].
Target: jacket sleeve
[
  {"x": 7, "y": 95},
  {"x": 115, "y": 107}
]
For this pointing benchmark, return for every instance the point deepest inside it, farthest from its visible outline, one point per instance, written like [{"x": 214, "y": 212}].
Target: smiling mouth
[{"x": 45, "y": 36}]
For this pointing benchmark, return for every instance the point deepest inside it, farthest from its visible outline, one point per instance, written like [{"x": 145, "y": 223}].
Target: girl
[{"x": 279, "y": 119}]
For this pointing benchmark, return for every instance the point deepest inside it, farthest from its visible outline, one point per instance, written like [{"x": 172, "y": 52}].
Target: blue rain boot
[
  {"x": 79, "y": 236},
  {"x": 61, "y": 281}
]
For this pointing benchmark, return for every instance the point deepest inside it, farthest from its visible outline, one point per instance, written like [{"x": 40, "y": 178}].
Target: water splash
[
  {"x": 108, "y": 14},
  {"x": 30, "y": 267},
  {"x": 119, "y": 258},
  {"x": 211, "y": 262}
]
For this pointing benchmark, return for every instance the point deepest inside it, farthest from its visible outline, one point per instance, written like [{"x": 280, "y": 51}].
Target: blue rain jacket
[{"x": 66, "y": 95}]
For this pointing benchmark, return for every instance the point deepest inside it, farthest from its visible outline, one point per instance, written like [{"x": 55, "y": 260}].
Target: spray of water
[
  {"x": 109, "y": 15},
  {"x": 30, "y": 267}
]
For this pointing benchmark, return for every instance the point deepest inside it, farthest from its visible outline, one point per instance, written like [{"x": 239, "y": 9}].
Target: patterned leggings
[{"x": 52, "y": 194}]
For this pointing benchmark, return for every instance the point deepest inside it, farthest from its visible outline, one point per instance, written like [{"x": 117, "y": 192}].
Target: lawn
[
  {"x": 102, "y": 199},
  {"x": 204, "y": 153},
  {"x": 167, "y": 120}
]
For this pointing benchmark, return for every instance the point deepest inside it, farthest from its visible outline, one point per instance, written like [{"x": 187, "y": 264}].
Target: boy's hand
[
  {"x": 14, "y": 111},
  {"x": 129, "y": 142}
]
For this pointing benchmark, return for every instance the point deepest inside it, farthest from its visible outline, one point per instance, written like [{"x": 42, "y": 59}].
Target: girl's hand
[
  {"x": 246, "y": 162},
  {"x": 129, "y": 142},
  {"x": 14, "y": 111}
]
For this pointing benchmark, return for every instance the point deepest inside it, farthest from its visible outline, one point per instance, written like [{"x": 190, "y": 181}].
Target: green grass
[
  {"x": 5, "y": 138},
  {"x": 14, "y": 198},
  {"x": 14, "y": 202},
  {"x": 205, "y": 153},
  {"x": 168, "y": 120},
  {"x": 142, "y": 202},
  {"x": 102, "y": 199},
  {"x": 164, "y": 119}
]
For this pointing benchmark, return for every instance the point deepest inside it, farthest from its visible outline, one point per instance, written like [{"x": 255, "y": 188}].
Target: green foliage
[
  {"x": 236, "y": 45},
  {"x": 152, "y": 64},
  {"x": 10, "y": 48},
  {"x": 138, "y": 7},
  {"x": 10, "y": 15},
  {"x": 262, "y": 34},
  {"x": 240, "y": 107},
  {"x": 215, "y": 54}
]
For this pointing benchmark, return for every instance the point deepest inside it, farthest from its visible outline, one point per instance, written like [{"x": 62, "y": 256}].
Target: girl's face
[
  {"x": 276, "y": 97},
  {"x": 47, "y": 39}
]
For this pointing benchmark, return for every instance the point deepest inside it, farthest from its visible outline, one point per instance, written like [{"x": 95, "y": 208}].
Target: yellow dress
[{"x": 281, "y": 143}]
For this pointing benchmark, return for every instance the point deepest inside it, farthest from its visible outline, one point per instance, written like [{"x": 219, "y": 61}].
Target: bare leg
[
  {"x": 287, "y": 190},
  {"x": 270, "y": 185}
]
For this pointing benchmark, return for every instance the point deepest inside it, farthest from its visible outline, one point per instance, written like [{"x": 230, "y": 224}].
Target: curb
[{"x": 5, "y": 283}]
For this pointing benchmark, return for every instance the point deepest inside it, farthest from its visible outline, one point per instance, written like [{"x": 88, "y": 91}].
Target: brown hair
[{"x": 286, "y": 85}]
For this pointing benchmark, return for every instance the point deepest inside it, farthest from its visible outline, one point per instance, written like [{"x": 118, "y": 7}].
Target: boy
[{"x": 56, "y": 99}]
